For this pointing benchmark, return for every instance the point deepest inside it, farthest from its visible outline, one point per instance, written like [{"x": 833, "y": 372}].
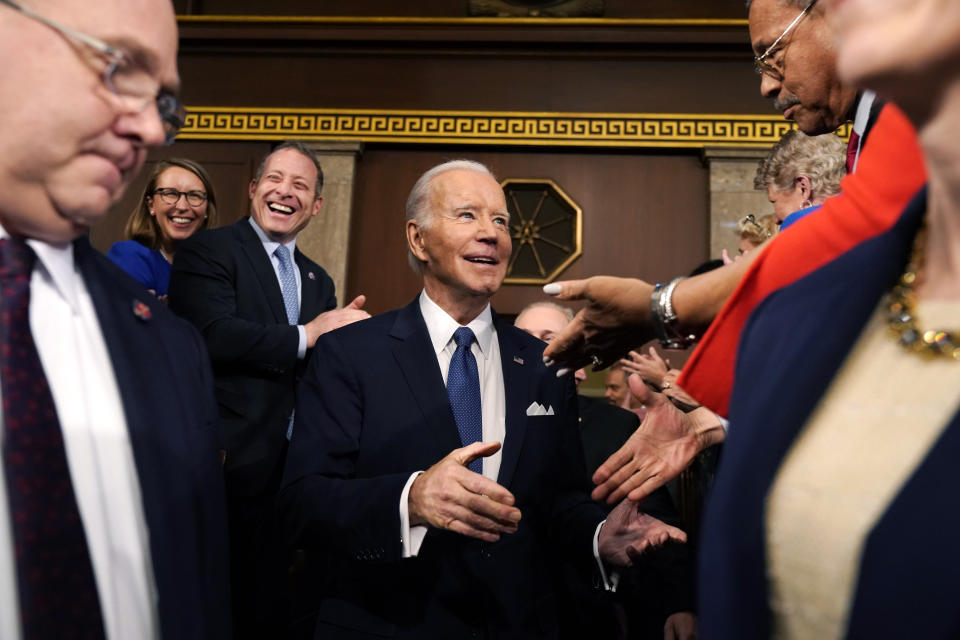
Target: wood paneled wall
[
  {"x": 451, "y": 8},
  {"x": 229, "y": 164},
  {"x": 643, "y": 214},
  {"x": 645, "y": 211}
]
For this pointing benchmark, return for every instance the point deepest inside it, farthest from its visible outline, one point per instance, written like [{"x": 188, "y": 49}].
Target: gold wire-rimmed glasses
[
  {"x": 760, "y": 64},
  {"x": 133, "y": 86}
]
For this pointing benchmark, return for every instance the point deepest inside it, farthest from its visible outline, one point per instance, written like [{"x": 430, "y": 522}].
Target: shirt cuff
[
  {"x": 411, "y": 538},
  {"x": 302, "y": 345},
  {"x": 724, "y": 423},
  {"x": 612, "y": 578}
]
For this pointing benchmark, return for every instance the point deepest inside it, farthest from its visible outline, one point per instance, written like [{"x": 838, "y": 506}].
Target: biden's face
[{"x": 464, "y": 242}]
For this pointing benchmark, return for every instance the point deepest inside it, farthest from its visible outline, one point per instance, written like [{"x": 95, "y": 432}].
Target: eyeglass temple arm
[
  {"x": 782, "y": 35},
  {"x": 99, "y": 45}
]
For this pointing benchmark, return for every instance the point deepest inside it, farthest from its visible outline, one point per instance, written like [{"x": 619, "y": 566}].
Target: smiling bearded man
[{"x": 260, "y": 305}]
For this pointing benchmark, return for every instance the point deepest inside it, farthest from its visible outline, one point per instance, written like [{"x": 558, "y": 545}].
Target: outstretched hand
[
  {"x": 649, "y": 366},
  {"x": 616, "y": 319},
  {"x": 664, "y": 444},
  {"x": 336, "y": 318},
  {"x": 450, "y": 496},
  {"x": 627, "y": 533}
]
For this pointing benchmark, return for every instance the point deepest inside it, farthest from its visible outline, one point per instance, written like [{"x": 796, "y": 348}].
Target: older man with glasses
[
  {"x": 112, "y": 517},
  {"x": 796, "y": 60},
  {"x": 795, "y": 55}
]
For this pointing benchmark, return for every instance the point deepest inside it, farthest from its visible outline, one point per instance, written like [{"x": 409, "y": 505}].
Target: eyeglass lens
[{"x": 172, "y": 196}]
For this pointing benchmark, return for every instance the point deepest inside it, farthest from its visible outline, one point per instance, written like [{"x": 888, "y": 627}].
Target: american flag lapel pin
[
  {"x": 518, "y": 359},
  {"x": 311, "y": 275},
  {"x": 141, "y": 310}
]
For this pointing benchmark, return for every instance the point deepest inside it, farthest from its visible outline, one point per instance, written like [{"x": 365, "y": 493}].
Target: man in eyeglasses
[
  {"x": 796, "y": 61},
  {"x": 792, "y": 42},
  {"x": 111, "y": 496}
]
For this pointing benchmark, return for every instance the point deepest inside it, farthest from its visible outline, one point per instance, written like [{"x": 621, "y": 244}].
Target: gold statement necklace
[{"x": 902, "y": 316}]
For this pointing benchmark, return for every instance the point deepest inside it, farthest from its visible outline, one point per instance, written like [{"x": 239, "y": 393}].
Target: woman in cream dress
[{"x": 836, "y": 508}]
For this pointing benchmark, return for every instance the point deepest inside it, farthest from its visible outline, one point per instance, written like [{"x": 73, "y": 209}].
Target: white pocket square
[{"x": 537, "y": 409}]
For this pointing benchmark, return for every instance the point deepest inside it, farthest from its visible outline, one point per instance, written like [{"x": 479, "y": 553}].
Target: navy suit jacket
[
  {"x": 224, "y": 283},
  {"x": 793, "y": 346},
  {"x": 371, "y": 410},
  {"x": 163, "y": 375}
]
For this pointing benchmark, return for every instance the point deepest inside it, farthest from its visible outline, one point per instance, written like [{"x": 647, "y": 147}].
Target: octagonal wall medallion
[{"x": 546, "y": 227}]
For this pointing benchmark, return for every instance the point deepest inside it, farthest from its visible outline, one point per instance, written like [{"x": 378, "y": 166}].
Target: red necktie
[
  {"x": 852, "y": 147},
  {"x": 57, "y": 591}
]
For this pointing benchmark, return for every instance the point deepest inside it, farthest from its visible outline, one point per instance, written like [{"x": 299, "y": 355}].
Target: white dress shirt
[
  {"x": 99, "y": 454},
  {"x": 493, "y": 404},
  {"x": 270, "y": 246},
  {"x": 860, "y": 120}
]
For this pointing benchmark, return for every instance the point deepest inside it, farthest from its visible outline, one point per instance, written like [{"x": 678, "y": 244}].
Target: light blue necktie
[
  {"x": 288, "y": 284},
  {"x": 463, "y": 389},
  {"x": 288, "y": 287}
]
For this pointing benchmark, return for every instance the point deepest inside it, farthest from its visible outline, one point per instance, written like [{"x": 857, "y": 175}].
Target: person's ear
[
  {"x": 806, "y": 189},
  {"x": 416, "y": 241}
]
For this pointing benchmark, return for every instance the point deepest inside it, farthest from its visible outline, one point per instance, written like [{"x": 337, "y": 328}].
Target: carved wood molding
[{"x": 627, "y": 130}]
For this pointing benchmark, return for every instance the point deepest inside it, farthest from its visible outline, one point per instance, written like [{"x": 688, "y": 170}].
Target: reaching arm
[
  {"x": 617, "y": 316},
  {"x": 665, "y": 444}
]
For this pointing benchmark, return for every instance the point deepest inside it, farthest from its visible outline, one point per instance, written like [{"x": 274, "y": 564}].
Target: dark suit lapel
[
  {"x": 517, "y": 378},
  {"x": 130, "y": 342},
  {"x": 414, "y": 354},
  {"x": 262, "y": 267},
  {"x": 310, "y": 303}
]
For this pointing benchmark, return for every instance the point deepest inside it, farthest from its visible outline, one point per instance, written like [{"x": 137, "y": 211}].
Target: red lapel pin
[{"x": 141, "y": 310}]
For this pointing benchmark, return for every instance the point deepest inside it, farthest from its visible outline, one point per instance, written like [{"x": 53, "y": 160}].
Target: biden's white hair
[{"x": 419, "y": 199}]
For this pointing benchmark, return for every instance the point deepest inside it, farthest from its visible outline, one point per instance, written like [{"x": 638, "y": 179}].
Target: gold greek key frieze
[{"x": 473, "y": 127}]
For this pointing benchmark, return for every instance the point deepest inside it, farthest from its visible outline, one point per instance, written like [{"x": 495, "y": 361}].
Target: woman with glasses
[{"x": 177, "y": 202}]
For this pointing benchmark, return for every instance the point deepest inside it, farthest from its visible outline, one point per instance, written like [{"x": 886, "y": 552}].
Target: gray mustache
[{"x": 783, "y": 105}]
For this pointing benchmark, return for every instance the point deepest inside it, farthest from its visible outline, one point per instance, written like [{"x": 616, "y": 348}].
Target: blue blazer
[
  {"x": 224, "y": 283},
  {"x": 793, "y": 345},
  {"x": 371, "y": 410},
  {"x": 166, "y": 388}
]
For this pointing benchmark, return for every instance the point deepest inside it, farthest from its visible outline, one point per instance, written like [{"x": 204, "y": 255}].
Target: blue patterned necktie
[
  {"x": 56, "y": 584},
  {"x": 288, "y": 287},
  {"x": 463, "y": 388},
  {"x": 288, "y": 284}
]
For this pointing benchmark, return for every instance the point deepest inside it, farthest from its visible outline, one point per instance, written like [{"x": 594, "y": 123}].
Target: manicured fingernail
[
  {"x": 562, "y": 372},
  {"x": 552, "y": 289},
  {"x": 548, "y": 361}
]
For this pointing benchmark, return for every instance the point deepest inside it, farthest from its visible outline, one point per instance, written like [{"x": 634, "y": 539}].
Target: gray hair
[
  {"x": 419, "y": 198},
  {"x": 821, "y": 158},
  {"x": 300, "y": 147},
  {"x": 566, "y": 311}
]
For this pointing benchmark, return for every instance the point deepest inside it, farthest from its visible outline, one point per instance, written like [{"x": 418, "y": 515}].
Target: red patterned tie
[
  {"x": 852, "y": 148},
  {"x": 58, "y": 594}
]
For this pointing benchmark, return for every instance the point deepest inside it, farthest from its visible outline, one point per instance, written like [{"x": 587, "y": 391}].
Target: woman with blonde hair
[
  {"x": 800, "y": 173},
  {"x": 177, "y": 202}
]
